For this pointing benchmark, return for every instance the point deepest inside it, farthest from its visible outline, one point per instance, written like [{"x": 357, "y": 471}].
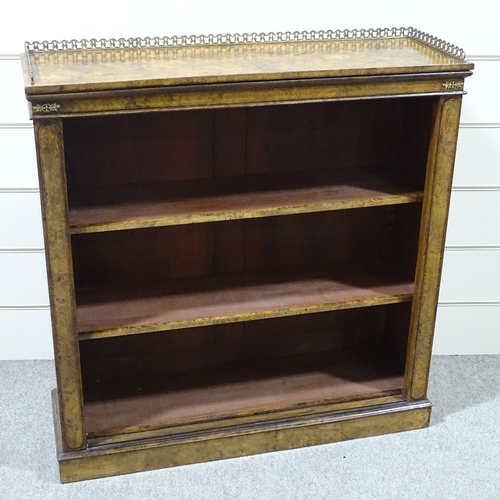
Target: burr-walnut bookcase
[{"x": 244, "y": 237}]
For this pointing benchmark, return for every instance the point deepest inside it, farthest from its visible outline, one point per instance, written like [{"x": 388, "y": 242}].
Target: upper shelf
[
  {"x": 90, "y": 65},
  {"x": 229, "y": 198}
]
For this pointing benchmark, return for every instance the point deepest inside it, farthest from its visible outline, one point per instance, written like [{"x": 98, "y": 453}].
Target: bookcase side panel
[
  {"x": 433, "y": 231},
  {"x": 50, "y": 152}
]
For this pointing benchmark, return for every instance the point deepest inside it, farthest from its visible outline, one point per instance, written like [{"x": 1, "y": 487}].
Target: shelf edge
[
  {"x": 238, "y": 318},
  {"x": 226, "y": 215}
]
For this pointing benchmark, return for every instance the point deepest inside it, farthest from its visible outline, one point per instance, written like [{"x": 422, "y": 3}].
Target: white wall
[{"x": 469, "y": 312}]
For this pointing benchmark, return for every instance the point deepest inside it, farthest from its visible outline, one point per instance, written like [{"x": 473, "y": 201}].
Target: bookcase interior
[
  {"x": 310, "y": 217},
  {"x": 220, "y": 164},
  {"x": 198, "y": 377}
]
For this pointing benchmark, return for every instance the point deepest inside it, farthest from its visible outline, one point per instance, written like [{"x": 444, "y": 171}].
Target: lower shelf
[
  {"x": 123, "y": 458},
  {"x": 241, "y": 393}
]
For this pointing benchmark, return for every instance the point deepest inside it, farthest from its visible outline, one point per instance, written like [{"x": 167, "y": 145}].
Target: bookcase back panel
[
  {"x": 151, "y": 148},
  {"x": 328, "y": 135},
  {"x": 145, "y": 148},
  {"x": 187, "y": 349},
  {"x": 142, "y": 257},
  {"x": 309, "y": 241}
]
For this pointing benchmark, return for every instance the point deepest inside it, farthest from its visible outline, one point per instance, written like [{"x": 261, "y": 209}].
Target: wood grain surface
[
  {"x": 115, "y": 69},
  {"x": 196, "y": 302},
  {"x": 231, "y": 198}
]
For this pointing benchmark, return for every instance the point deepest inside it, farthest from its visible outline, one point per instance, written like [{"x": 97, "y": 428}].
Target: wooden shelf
[
  {"x": 204, "y": 397},
  {"x": 238, "y": 197},
  {"x": 209, "y": 300}
]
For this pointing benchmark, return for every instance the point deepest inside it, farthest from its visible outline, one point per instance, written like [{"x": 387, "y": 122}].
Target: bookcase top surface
[{"x": 92, "y": 65}]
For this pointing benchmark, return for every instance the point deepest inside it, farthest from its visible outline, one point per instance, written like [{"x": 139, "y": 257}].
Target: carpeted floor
[{"x": 457, "y": 458}]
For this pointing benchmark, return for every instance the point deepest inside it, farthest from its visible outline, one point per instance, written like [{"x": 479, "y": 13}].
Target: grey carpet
[{"x": 457, "y": 458}]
